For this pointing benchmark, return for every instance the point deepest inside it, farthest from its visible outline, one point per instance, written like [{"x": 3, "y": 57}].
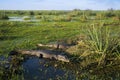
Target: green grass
[
  {"x": 98, "y": 43},
  {"x": 26, "y": 35}
]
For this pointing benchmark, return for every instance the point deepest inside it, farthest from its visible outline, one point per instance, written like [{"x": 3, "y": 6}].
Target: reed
[{"x": 102, "y": 41}]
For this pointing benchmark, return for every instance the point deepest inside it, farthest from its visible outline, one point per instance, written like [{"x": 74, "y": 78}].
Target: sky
[{"x": 59, "y": 4}]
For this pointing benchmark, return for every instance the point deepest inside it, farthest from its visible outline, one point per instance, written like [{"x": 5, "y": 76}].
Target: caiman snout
[{"x": 63, "y": 58}]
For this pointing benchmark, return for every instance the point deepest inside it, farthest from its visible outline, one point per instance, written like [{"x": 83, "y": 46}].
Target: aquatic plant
[{"x": 11, "y": 69}]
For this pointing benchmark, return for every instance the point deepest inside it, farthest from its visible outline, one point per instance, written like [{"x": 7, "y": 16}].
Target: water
[
  {"x": 45, "y": 69},
  {"x": 34, "y": 68},
  {"x": 16, "y": 18},
  {"x": 40, "y": 69}
]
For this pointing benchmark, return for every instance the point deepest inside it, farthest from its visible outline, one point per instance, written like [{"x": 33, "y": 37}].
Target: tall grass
[{"x": 102, "y": 42}]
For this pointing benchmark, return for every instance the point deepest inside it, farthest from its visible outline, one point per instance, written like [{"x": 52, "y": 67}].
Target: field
[{"x": 94, "y": 34}]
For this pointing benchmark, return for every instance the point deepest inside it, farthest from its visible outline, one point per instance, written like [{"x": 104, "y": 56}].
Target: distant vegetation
[
  {"x": 26, "y": 18},
  {"x": 2, "y": 17}
]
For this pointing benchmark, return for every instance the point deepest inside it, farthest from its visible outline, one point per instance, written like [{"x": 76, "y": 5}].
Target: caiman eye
[{"x": 41, "y": 56}]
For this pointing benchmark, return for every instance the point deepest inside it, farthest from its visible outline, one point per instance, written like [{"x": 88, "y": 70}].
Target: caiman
[
  {"x": 57, "y": 46},
  {"x": 43, "y": 54}
]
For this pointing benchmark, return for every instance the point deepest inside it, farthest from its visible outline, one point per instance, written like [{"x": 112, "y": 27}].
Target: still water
[
  {"x": 33, "y": 68},
  {"x": 16, "y": 18}
]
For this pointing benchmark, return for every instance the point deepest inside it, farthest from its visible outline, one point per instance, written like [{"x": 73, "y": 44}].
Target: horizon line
[{"x": 62, "y": 9}]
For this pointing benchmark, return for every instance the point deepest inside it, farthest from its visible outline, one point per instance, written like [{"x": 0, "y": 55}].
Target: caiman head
[{"x": 63, "y": 58}]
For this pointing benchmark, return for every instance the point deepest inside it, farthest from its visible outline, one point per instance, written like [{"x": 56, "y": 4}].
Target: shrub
[
  {"x": 38, "y": 17},
  {"x": 31, "y": 12},
  {"x": 109, "y": 14},
  {"x": 26, "y": 18},
  {"x": 4, "y": 17},
  {"x": 83, "y": 18}
]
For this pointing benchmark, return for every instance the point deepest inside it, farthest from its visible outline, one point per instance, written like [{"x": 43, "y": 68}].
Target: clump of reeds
[
  {"x": 101, "y": 46},
  {"x": 102, "y": 42}
]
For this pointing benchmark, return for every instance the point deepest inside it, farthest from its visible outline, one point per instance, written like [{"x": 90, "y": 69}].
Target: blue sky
[{"x": 59, "y": 4}]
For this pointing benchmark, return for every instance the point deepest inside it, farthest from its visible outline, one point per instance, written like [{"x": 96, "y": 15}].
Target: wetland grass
[{"x": 96, "y": 49}]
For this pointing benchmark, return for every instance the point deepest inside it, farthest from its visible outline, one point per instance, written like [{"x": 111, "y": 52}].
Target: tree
[
  {"x": 31, "y": 13},
  {"x": 3, "y": 15}
]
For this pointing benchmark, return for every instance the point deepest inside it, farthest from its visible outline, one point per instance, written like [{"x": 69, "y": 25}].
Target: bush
[
  {"x": 4, "y": 17},
  {"x": 83, "y": 18},
  {"x": 26, "y": 18},
  {"x": 109, "y": 14},
  {"x": 31, "y": 13},
  {"x": 38, "y": 17}
]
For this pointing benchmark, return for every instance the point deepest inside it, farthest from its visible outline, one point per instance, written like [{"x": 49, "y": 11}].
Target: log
[{"x": 44, "y": 54}]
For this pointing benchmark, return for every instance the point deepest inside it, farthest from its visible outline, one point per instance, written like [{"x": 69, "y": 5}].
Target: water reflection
[
  {"x": 40, "y": 69},
  {"x": 33, "y": 68},
  {"x": 36, "y": 68}
]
